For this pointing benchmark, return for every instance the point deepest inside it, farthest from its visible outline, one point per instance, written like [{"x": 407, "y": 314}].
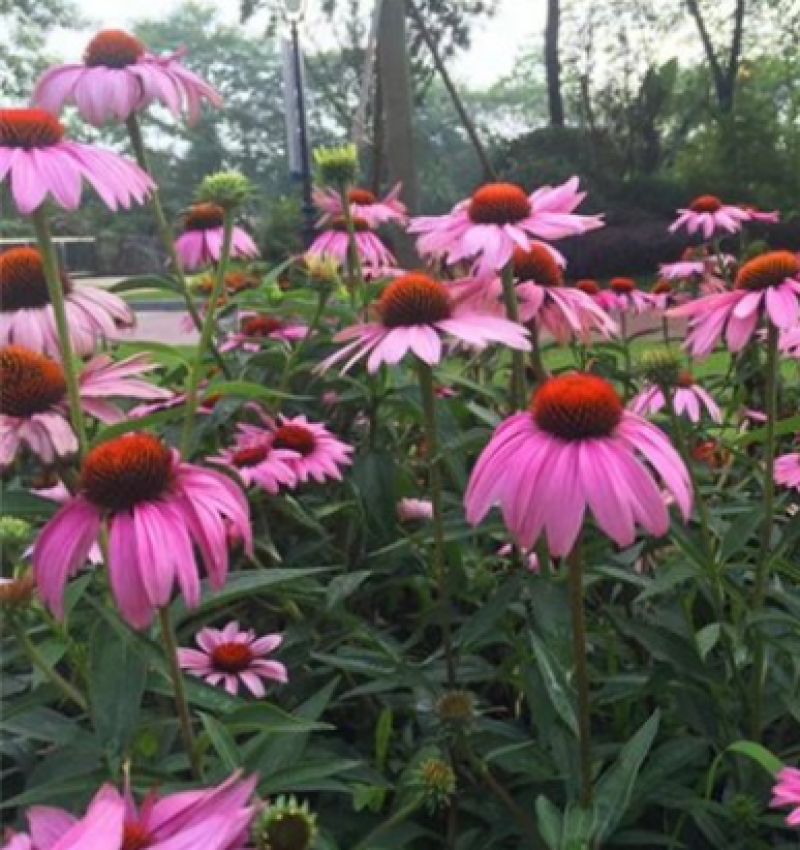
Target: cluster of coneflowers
[{"x": 572, "y": 447}]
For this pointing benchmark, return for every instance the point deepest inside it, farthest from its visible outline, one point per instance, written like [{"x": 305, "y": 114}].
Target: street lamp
[{"x": 294, "y": 12}]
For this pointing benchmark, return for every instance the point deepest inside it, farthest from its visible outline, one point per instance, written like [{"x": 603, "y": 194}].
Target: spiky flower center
[
  {"x": 135, "y": 837},
  {"x": 260, "y": 326},
  {"x": 125, "y": 471},
  {"x": 360, "y": 225},
  {"x": 662, "y": 287},
  {"x": 22, "y": 281},
  {"x": 414, "y": 299},
  {"x": 297, "y": 438},
  {"x": 113, "y": 49},
  {"x": 768, "y": 270},
  {"x": 236, "y": 281},
  {"x": 29, "y": 128},
  {"x": 30, "y": 383},
  {"x": 232, "y": 657},
  {"x": 538, "y": 265},
  {"x": 362, "y": 197},
  {"x": 622, "y": 285},
  {"x": 250, "y": 456},
  {"x": 203, "y": 217},
  {"x": 499, "y": 203},
  {"x": 685, "y": 380},
  {"x": 590, "y": 287},
  {"x": 706, "y": 204},
  {"x": 577, "y": 407}
]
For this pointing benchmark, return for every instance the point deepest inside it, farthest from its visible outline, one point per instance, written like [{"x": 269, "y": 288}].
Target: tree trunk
[
  {"x": 552, "y": 63},
  {"x": 395, "y": 82}
]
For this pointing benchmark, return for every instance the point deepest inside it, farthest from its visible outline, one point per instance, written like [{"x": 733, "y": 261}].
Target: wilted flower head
[{"x": 17, "y": 592}]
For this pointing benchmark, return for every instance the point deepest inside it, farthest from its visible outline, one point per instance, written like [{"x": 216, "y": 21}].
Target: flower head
[
  {"x": 38, "y": 162},
  {"x": 363, "y": 204},
  {"x": 232, "y": 657},
  {"x": 767, "y": 285},
  {"x": 159, "y": 509},
  {"x": 414, "y": 510},
  {"x": 337, "y": 165},
  {"x": 285, "y": 824},
  {"x": 229, "y": 190},
  {"x": 27, "y": 317},
  {"x": 33, "y": 399},
  {"x": 256, "y": 328},
  {"x": 624, "y": 296},
  {"x": 709, "y": 215},
  {"x": 317, "y": 453},
  {"x": 786, "y": 792},
  {"x": 257, "y": 462},
  {"x": 787, "y": 470},
  {"x": 201, "y": 240},
  {"x": 413, "y": 311},
  {"x": 333, "y": 243},
  {"x": 118, "y": 78},
  {"x": 688, "y": 399},
  {"x": 498, "y": 218},
  {"x": 576, "y": 448}
]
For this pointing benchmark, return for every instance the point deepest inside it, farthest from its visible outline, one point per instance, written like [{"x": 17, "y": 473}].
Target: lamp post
[{"x": 294, "y": 12}]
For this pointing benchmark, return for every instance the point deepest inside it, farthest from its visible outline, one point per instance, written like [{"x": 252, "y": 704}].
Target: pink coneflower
[
  {"x": 498, "y": 218},
  {"x": 787, "y": 471},
  {"x": 201, "y": 240},
  {"x": 363, "y": 204},
  {"x": 688, "y": 397},
  {"x": 256, "y": 461},
  {"x": 768, "y": 285},
  {"x": 544, "y": 300},
  {"x": 413, "y": 311},
  {"x": 55, "y": 829},
  {"x": 27, "y": 318},
  {"x": 158, "y": 508},
  {"x": 254, "y": 328},
  {"x": 231, "y": 657},
  {"x": 118, "y": 77},
  {"x": 333, "y": 242},
  {"x": 624, "y": 296},
  {"x": 33, "y": 400},
  {"x": 414, "y": 510},
  {"x": 576, "y": 448},
  {"x": 755, "y": 214},
  {"x": 317, "y": 453},
  {"x": 709, "y": 215},
  {"x": 38, "y": 162},
  {"x": 786, "y": 792}
]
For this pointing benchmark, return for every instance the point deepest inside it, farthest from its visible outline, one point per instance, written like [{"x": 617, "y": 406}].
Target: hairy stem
[
  {"x": 206, "y": 334},
  {"x": 45, "y": 667},
  {"x": 179, "y": 691},
  {"x": 518, "y": 392},
  {"x": 762, "y": 568},
  {"x": 166, "y": 234},
  {"x": 55, "y": 290},
  {"x": 441, "y": 571},
  {"x": 575, "y": 577}
]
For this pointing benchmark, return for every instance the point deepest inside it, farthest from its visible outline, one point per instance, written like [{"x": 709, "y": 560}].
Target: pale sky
[{"x": 495, "y": 46}]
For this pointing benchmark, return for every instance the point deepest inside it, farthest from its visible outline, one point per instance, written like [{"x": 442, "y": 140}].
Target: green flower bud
[
  {"x": 228, "y": 189},
  {"x": 338, "y": 165},
  {"x": 14, "y": 531},
  {"x": 437, "y": 782},
  {"x": 661, "y": 367},
  {"x": 285, "y": 824},
  {"x": 745, "y": 810}
]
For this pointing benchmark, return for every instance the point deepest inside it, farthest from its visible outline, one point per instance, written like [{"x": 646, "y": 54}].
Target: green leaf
[
  {"x": 615, "y": 788},
  {"x": 148, "y": 281},
  {"x": 549, "y": 821},
  {"x": 116, "y": 687},
  {"x": 383, "y": 734},
  {"x": 22, "y": 503},
  {"x": 246, "y": 389},
  {"x": 761, "y": 756},
  {"x": 555, "y": 682},
  {"x": 222, "y": 741},
  {"x": 269, "y": 718},
  {"x": 788, "y": 426},
  {"x": 242, "y": 585}
]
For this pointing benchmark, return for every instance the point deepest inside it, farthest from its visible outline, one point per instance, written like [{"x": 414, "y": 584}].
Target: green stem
[
  {"x": 575, "y": 577},
  {"x": 166, "y": 234},
  {"x": 762, "y": 569},
  {"x": 55, "y": 290},
  {"x": 294, "y": 356},
  {"x": 354, "y": 267},
  {"x": 206, "y": 334},
  {"x": 540, "y": 372},
  {"x": 179, "y": 691},
  {"x": 44, "y": 666},
  {"x": 428, "y": 395},
  {"x": 518, "y": 392},
  {"x": 626, "y": 353}
]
